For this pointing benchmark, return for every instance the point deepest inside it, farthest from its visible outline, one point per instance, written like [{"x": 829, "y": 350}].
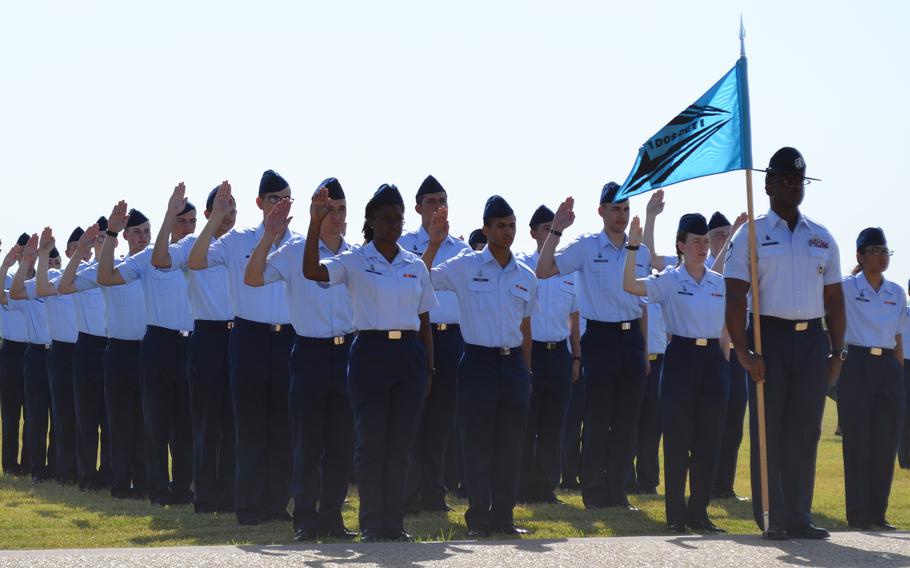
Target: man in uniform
[
  {"x": 12, "y": 379},
  {"x": 799, "y": 283}
]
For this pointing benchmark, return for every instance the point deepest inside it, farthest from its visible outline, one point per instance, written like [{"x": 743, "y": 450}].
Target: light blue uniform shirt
[
  {"x": 36, "y": 319},
  {"x": 208, "y": 288},
  {"x": 317, "y": 309},
  {"x": 88, "y": 306},
  {"x": 492, "y": 300},
  {"x": 556, "y": 298},
  {"x": 793, "y": 267},
  {"x": 124, "y": 306},
  {"x": 61, "y": 311},
  {"x": 15, "y": 320},
  {"x": 873, "y": 318},
  {"x": 265, "y": 304},
  {"x": 385, "y": 296},
  {"x": 600, "y": 265},
  {"x": 691, "y": 309},
  {"x": 167, "y": 302},
  {"x": 417, "y": 242},
  {"x": 657, "y": 330},
  {"x": 905, "y": 333}
]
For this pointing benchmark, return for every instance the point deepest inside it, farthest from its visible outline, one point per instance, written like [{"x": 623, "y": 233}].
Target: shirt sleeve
[
  {"x": 532, "y": 306},
  {"x": 571, "y": 258},
  {"x": 86, "y": 279},
  {"x": 279, "y": 264},
  {"x": 444, "y": 275},
  {"x": 218, "y": 251},
  {"x": 737, "y": 263},
  {"x": 657, "y": 287},
  {"x": 832, "y": 274},
  {"x": 903, "y": 320},
  {"x": 337, "y": 266},
  {"x": 428, "y": 299},
  {"x": 31, "y": 289},
  {"x": 180, "y": 252},
  {"x": 574, "y": 307},
  {"x": 133, "y": 267}
]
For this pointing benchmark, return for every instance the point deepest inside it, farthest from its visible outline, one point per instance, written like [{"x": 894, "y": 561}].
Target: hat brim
[{"x": 770, "y": 171}]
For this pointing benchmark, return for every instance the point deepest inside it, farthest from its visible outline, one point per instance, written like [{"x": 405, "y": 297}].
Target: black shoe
[
  {"x": 705, "y": 525},
  {"x": 512, "y": 529},
  {"x": 884, "y": 526},
  {"x": 400, "y": 536},
  {"x": 809, "y": 531},
  {"x": 861, "y": 526},
  {"x": 368, "y": 535},
  {"x": 678, "y": 528},
  {"x": 303, "y": 534},
  {"x": 342, "y": 533},
  {"x": 775, "y": 533},
  {"x": 478, "y": 533},
  {"x": 718, "y": 493}
]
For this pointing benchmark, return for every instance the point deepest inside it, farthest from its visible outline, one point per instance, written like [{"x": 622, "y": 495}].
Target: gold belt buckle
[
  {"x": 184, "y": 334},
  {"x": 652, "y": 357},
  {"x": 701, "y": 342},
  {"x": 626, "y": 325},
  {"x": 47, "y": 346},
  {"x": 276, "y": 327},
  {"x": 338, "y": 340},
  {"x": 505, "y": 350},
  {"x": 801, "y": 326},
  {"x": 395, "y": 334},
  {"x": 442, "y": 326},
  {"x": 732, "y": 346},
  {"x": 877, "y": 351},
  {"x": 551, "y": 346},
  {"x": 230, "y": 325}
]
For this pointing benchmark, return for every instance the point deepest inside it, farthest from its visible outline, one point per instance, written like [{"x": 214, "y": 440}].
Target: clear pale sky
[{"x": 532, "y": 100}]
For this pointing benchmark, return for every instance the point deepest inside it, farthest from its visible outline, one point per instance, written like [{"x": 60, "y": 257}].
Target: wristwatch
[
  {"x": 842, "y": 354},
  {"x": 555, "y": 232}
]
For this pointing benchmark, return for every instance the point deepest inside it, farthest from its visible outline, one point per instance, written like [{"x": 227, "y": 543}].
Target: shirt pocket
[
  {"x": 770, "y": 255},
  {"x": 820, "y": 258},
  {"x": 600, "y": 268},
  {"x": 520, "y": 296}
]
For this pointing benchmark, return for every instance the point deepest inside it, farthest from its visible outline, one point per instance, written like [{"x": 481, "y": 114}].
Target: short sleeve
[
  {"x": 832, "y": 274},
  {"x": 571, "y": 258},
  {"x": 642, "y": 262},
  {"x": 736, "y": 264},
  {"x": 180, "y": 252},
  {"x": 904, "y": 319},
  {"x": 531, "y": 306},
  {"x": 658, "y": 286},
  {"x": 218, "y": 251},
  {"x": 31, "y": 289},
  {"x": 279, "y": 265},
  {"x": 428, "y": 299},
  {"x": 337, "y": 267},
  {"x": 86, "y": 279},
  {"x": 131, "y": 268},
  {"x": 444, "y": 275}
]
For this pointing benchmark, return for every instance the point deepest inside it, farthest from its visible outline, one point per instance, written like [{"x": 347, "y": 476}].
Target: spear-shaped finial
[{"x": 742, "y": 37}]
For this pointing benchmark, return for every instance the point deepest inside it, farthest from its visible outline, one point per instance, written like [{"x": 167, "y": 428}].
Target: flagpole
[{"x": 759, "y": 387}]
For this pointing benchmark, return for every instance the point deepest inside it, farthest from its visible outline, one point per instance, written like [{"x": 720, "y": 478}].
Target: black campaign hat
[
  {"x": 693, "y": 223},
  {"x": 870, "y": 237},
  {"x": 271, "y": 182},
  {"x": 718, "y": 220},
  {"x": 75, "y": 235},
  {"x": 429, "y": 185},
  {"x": 608, "y": 193},
  {"x": 787, "y": 161},
  {"x": 334, "y": 187},
  {"x": 543, "y": 214},
  {"x": 496, "y": 208}
]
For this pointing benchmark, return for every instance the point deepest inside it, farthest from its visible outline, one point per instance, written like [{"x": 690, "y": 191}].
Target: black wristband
[
  {"x": 110, "y": 233},
  {"x": 555, "y": 232},
  {"x": 633, "y": 247}
]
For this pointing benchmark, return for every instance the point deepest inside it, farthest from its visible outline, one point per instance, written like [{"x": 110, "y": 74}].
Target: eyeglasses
[
  {"x": 878, "y": 251},
  {"x": 276, "y": 199},
  {"x": 794, "y": 181}
]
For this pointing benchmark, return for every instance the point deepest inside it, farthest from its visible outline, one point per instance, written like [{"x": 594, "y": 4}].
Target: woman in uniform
[{"x": 694, "y": 386}]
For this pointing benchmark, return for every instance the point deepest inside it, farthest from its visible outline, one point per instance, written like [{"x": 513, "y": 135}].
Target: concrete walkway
[{"x": 859, "y": 550}]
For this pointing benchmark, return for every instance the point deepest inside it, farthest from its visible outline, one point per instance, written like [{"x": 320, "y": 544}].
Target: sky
[{"x": 532, "y": 100}]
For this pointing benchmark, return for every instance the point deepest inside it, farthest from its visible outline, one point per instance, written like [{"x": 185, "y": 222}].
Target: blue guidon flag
[{"x": 713, "y": 135}]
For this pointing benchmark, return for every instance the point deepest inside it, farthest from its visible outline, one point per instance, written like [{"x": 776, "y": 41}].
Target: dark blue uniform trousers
[
  {"x": 572, "y": 435},
  {"x": 322, "y": 431},
  {"x": 551, "y": 388},
  {"x": 41, "y": 454},
  {"x": 733, "y": 426},
  {"x": 426, "y": 487},
  {"x": 214, "y": 438},
  {"x": 63, "y": 409},
  {"x": 904, "y": 451},
  {"x": 12, "y": 407},
  {"x": 614, "y": 363},
  {"x": 646, "y": 471},
  {"x": 493, "y": 403},
  {"x": 166, "y": 409},
  {"x": 387, "y": 384},
  {"x": 693, "y": 404},
  {"x": 91, "y": 400},
  {"x": 795, "y": 386},
  {"x": 124, "y": 418},
  {"x": 259, "y": 390},
  {"x": 870, "y": 406}
]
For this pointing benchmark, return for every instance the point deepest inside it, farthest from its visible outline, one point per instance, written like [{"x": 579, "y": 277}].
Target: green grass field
[{"x": 50, "y": 516}]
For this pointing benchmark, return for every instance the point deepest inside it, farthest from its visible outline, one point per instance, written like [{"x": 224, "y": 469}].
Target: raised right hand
[
  {"x": 177, "y": 202},
  {"x": 277, "y": 222},
  {"x": 565, "y": 215},
  {"x": 635, "y": 232},
  {"x": 222, "y": 203},
  {"x": 30, "y": 250},
  {"x": 116, "y": 221},
  {"x": 46, "y": 242},
  {"x": 656, "y": 204},
  {"x": 88, "y": 238},
  {"x": 439, "y": 225},
  {"x": 319, "y": 207}
]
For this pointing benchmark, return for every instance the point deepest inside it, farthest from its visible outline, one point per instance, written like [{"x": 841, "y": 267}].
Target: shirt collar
[
  {"x": 344, "y": 246},
  {"x": 863, "y": 284},
  {"x": 604, "y": 241},
  {"x": 370, "y": 251},
  {"x": 423, "y": 237},
  {"x": 684, "y": 276},
  {"x": 261, "y": 229},
  {"x": 775, "y": 219},
  {"x": 487, "y": 257}
]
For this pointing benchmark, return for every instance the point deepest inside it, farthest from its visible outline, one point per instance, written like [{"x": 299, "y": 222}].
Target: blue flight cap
[
  {"x": 102, "y": 223},
  {"x": 189, "y": 207},
  {"x": 54, "y": 253},
  {"x": 693, "y": 223},
  {"x": 387, "y": 194},
  {"x": 271, "y": 182},
  {"x": 870, "y": 237},
  {"x": 496, "y": 208},
  {"x": 542, "y": 215},
  {"x": 136, "y": 218},
  {"x": 334, "y": 187},
  {"x": 75, "y": 235},
  {"x": 477, "y": 238},
  {"x": 210, "y": 200},
  {"x": 608, "y": 193},
  {"x": 22, "y": 240},
  {"x": 429, "y": 185},
  {"x": 718, "y": 220}
]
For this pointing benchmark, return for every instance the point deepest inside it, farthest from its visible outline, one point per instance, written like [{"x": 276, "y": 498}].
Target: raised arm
[
  {"x": 67, "y": 282},
  {"x": 721, "y": 259},
  {"x": 631, "y": 284},
  {"x": 319, "y": 208},
  {"x": 8, "y": 261},
  {"x": 199, "y": 254},
  {"x": 161, "y": 256},
  {"x": 45, "y": 246},
  {"x": 439, "y": 229},
  {"x": 26, "y": 264},
  {"x": 563, "y": 219},
  {"x": 654, "y": 208},
  {"x": 275, "y": 224},
  {"x": 108, "y": 275}
]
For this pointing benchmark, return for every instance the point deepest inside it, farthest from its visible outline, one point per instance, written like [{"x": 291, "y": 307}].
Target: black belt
[
  {"x": 389, "y": 334},
  {"x": 612, "y": 325},
  {"x": 167, "y": 331},
  {"x": 782, "y": 324},
  {"x": 445, "y": 327},
  {"x": 46, "y": 346},
  {"x": 549, "y": 345},
  {"x": 273, "y": 327},
  {"x": 336, "y": 341},
  {"x": 697, "y": 341},
  {"x": 874, "y": 351},
  {"x": 501, "y": 351},
  {"x": 213, "y": 324}
]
